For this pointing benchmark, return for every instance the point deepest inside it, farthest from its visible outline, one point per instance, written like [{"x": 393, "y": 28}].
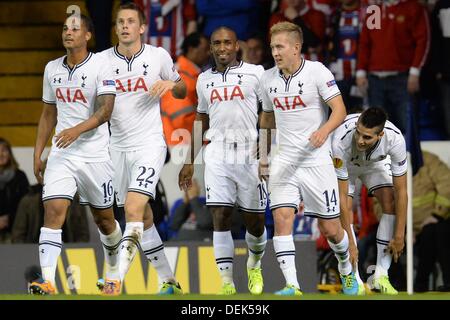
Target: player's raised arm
[{"x": 47, "y": 123}]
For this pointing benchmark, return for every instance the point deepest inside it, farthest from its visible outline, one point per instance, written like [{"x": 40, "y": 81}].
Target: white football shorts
[
  {"x": 317, "y": 186},
  {"x": 137, "y": 171},
  {"x": 228, "y": 184},
  {"x": 93, "y": 180},
  {"x": 374, "y": 176}
]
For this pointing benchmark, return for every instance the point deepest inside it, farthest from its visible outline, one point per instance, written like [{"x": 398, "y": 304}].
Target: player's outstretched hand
[
  {"x": 185, "y": 177},
  {"x": 395, "y": 248},
  {"x": 318, "y": 138},
  {"x": 263, "y": 171},
  {"x": 66, "y": 137},
  {"x": 160, "y": 87}
]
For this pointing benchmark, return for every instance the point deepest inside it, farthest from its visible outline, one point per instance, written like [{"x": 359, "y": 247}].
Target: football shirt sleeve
[
  {"x": 266, "y": 102},
  {"x": 326, "y": 83},
  {"x": 48, "y": 96},
  {"x": 168, "y": 71},
  {"x": 105, "y": 78},
  {"x": 259, "y": 72},
  {"x": 202, "y": 106},
  {"x": 399, "y": 162}
]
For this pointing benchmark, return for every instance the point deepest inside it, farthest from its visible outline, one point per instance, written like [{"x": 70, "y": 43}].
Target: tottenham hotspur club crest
[
  {"x": 240, "y": 78},
  {"x": 300, "y": 86},
  {"x": 84, "y": 79},
  {"x": 145, "y": 68}
]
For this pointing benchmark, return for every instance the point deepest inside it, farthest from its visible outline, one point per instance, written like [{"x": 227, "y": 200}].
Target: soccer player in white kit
[
  {"x": 368, "y": 147},
  {"x": 143, "y": 74},
  {"x": 228, "y": 100},
  {"x": 302, "y": 167},
  {"x": 78, "y": 96}
]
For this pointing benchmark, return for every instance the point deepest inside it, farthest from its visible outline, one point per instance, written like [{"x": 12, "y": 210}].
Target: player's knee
[
  {"x": 54, "y": 216},
  {"x": 134, "y": 211},
  {"x": 329, "y": 230},
  {"x": 255, "y": 226}
]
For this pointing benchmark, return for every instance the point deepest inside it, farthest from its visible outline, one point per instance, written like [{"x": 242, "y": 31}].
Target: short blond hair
[{"x": 288, "y": 27}]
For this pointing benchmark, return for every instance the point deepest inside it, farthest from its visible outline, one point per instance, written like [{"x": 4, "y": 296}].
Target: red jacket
[{"x": 402, "y": 41}]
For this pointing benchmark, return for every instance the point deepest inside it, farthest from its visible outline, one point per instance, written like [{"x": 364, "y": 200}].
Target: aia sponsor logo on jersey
[
  {"x": 226, "y": 94},
  {"x": 289, "y": 103},
  {"x": 70, "y": 95},
  {"x": 128, "y": 86}
]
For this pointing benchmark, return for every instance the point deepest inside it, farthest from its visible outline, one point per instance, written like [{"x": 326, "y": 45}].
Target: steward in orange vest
[{"x": 180, "y": 114}]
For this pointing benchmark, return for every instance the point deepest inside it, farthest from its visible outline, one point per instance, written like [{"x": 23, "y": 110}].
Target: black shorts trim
[
  {"x": 257, "y": 211},
  {"x": 96, "y": 207},
  {"x": 371, "y": 190},
  {"x": 321, "y": 216},
  {"x": 284, "y": 205},
  {"x": 58, "y": 196},
  {"x": 219, "y": 204},
  {"x": 142, "y": 192}
]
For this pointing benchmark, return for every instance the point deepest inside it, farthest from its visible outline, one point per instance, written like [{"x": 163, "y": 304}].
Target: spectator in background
[
  {"x": 311, "y": 21},
  {"x": 160, "y": 210},
  {"x": 242, "y": 16},
  {"x": 256, "y": 51},
  {"x": 440, "y": 23},
  {"x": 13, "y": 186},
  {"x": 169, "y": 21},
  {"x": 180, "y": 113},
  {"x": 431, "y": 207},
  {"x": 30, "y": 218},
  {"x": 190, "y": 218},
  {"x": 390, "y": 57},
  {"x": 343, "y": 46}
]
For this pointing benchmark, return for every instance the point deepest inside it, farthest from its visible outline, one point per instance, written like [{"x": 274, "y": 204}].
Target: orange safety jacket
[{"x": 180, "y": 113}]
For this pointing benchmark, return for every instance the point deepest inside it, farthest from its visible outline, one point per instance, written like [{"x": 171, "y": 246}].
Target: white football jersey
[
  {"x": 136, "y": 120},
  {"x": 297, "y": 103},
  {"x": 74, "y": 92},
  {"x": 346, "y": 155},
  {"x": 231, "y": 100}
]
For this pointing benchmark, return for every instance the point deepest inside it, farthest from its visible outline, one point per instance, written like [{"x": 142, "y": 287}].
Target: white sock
[
  {"x": 50, "y": 244},
  {"x": 256, "y": 247},
  {"x": 385, "y": 233},
  {"x": 153, "y": 249},
  {"x": 285, "y": 251},
  {"x": 358, "y": 277},
  {"x": 111, "y": 244},
  {"x": 341, "y": 253},
  {"x": 129, "y": 245},
  {"x": 224, "y": 253}
]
